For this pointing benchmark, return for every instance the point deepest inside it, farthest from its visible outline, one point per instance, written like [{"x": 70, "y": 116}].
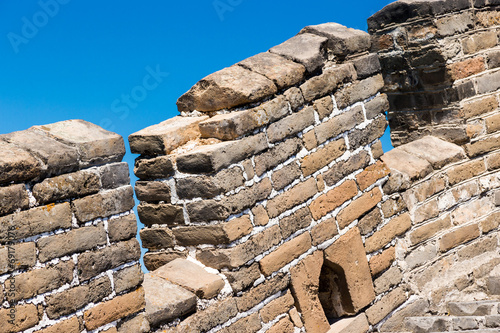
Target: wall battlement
[{"x": 268, "y": 203}]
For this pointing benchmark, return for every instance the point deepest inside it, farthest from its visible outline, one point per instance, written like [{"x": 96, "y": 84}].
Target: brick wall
[{"x": 68, "y": 253}]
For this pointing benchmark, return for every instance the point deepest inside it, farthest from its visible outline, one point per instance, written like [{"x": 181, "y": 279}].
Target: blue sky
[{"x": 74, "y": 59}]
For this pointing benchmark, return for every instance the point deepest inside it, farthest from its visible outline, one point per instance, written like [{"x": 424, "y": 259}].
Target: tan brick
[
  {"x": 479, "y": 41},
  {"x": 12, "y": 198},
  {"x": 333, "y": 199},
  {"x": 471, "y": 210},
  {"x": 283, "y": 325},
  {"x": 493, "y": 123},
  {"x": 295, "y": 317},
  {"x": 475, "y": 128},
  {"x": 323, "y": 106},
  {"x": 490, "y": 223},
  {"x": 465, "y": 171},
  {"x": 382, "y": 261},
  {"x": 428, "y": 230},
  {"x": 351, "y": 325},
  {"x": 249, "y": 324},
  {"x": 396, "y": 227},
  {"x": 386, "y": 305},
  {"x": 276, "y": 155},
  {"x": 483, "y": 146},
  {"x": 295, "y": 98},
  {"x": 249, "y": 170},
  {"x": 410, "y": 165},
  {"x": 480, "y": 106},
  {"x": 290, "y": 125},
  {"x": 466, "y": 68},
  {"x": 371, "y": 174},
  {"x": 35, "y": 221},
  {"x": 260, "y": 216},
  {"x": 359, "y": 207},
  {"x": 393, "y": 206},
  {"x": 74, "y": 241},
  {"x": 426, "y": 211},
  {"x": 118, "y": 307},
  {"x": 339, "y": 124},
  {"x": 324, "y": 231},
  {"x": 348, "y": 253},
  {"x": 26, "y": 316},
  {"x": 310, "y": 141},
  {"x": 24, "y": 255},
  {"x": 277, "y": 307},
  {"x": 137, "y": 324},
  {"x": 294, "y": 196},
  {"x": 285, "y": 253},
  {"x": 459, "y": 236},
  {"x": 428, "y": 188},
  {"x": 479, "y": 247},
  {"x": 264, "y": 290},
  {"x": 322, "y": 157},
  {"x": 71, "y": 325}
]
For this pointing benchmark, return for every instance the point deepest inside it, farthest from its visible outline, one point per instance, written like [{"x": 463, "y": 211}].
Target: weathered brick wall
[
  {"x": 441, "y": 67},
  {"x": 68, "y": 253},
  {"x": 266, "y": 174}
]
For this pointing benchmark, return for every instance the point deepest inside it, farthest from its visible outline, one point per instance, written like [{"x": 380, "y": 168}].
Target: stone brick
[
  {"x": 93, "y": 263},
  {"x": 359, "y": 207},
  {"x": 493, "y": 123},
  {"x": 493, "y": 59},
  {"x": 285, "y": 253},
  {"x": 166, "y": 136},
  {"x": 24, "y": 255},
  {"x": 391, "y": 278},
  {"x": 157, "y": 238},
  {"x": 490, "y": 223},
  {"x": 74, "y": 241},
  {"x": 343, "y": 168},
  {"x": 341, "y": 40},
  {"x": 248, "y": 168},
  {"x": 127, "y": 278},
  {"x": 154, "y": 260},
  {"x": 153, "y": 168},
  {"x": 42, "y": 280},
  {"x": 333, "y": 199},
  {"x": 241, "y": 254},
  {"x": 294, "y": 196},
  {"x": 429, "y": 324},
  {"x": 396, "y": 227},
  {"x": 225, "y": 89},
  {"x": 339, "y": 124},
  {"x": 310, "y": 141},
  {"x": 73, "y": 299},
  {"x": 426, "y": 211},
  {"x": 479, "y": 41},
  {"x": 396, "y": 321},
  {"x": 492, "y": 321},
  {"x": 104, "y": 204},
  {"x": 435, "y": 151},
  {"x": 244, "y": 277},
  {"x": 152, "y": 191},
  {"x": 191, "y": 277},
  {"x": 71, "y": 325},
  {"x": 348, "y": 253},
  {"x": 295, "y": 317},
  {"x": 294, "y": 222},
  {"x": 465, "y": 171},
  {"x": 367, "y": 65},
  {"x": 276, "y": 155},
  {"x": 359, "y": 91},
  {"x": 12, "y": 198},
  {"x": 210, "y": 186},
  {"x": 305, "y": 287},
  {"x": 475, "y": 128},
  {"x": 118, "y": 307},
  {"x": 410, "y": 165},
  {"x": 246, "y": 198},
  {"x": 122, "y": 228},
  {"x": 455, "y": 24},
  {"x": 295, "y": 98},
  {"x": 478, "y": 308},
  {"x": 35, "y": 221},
  {"x": 95, "y": 145},
  {"x": 428, "y": 230},
  {"x": 489, "y": 244},
  {"x": 284, "y": 73},
  {"x": 324, "y": 231},
  {"x": 215, "y": 234},
  {"x": 277, "y": 307},
  {"x": 323, "y": 156},
  {"x": 260, "y": 217},
  {"x": 290, "y": 125},
  {"x": 427, "y": 188},
  {"x": 150, "y": 214},
  {"x": 264, "y": 290},
  {"x": 326, "y": 82},
  {"x": 488, "y": 83},
  {"x": 285, "y": 176},
  {"x": 114, "y": 175},
  {"x": 385, "y": 305},
  {"x": 393, "y": 206},
  {"x": 231, "y": 126},
  {"x": 374, "y": 131},
  {"x": 483, "y": 146},
  {"x": 16, "y": 164},
  {"x": 203, "y": 321},
  {"x": 306, "y": 49},
  {"x": 351, "y": 325},
  {"x": 137, "y": 324},
  {"x": 480, "y": 106},
  {"x": 26, "y": 317},
  {"x": 382, "y": 261},
  {"x": 370, "y": 221},
  {"x": 466, "y": 68},
  {"x": 249, "y": 324},
  {"x": 212, "y": 158},
  {"x": 458, "y": 236},
  {"x": 323, "y": 106},
  {"x": 377, "y": 106}
]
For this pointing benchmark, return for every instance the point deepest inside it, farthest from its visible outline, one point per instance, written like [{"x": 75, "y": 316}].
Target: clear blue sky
[{"x": 77, "y": 59}]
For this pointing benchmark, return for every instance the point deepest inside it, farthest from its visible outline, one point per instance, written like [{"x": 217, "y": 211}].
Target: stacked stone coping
[
  {"x": 68, "y": 253},
  {"x": 252, "y": 191},
  {"x": 441, "y": 68}
]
